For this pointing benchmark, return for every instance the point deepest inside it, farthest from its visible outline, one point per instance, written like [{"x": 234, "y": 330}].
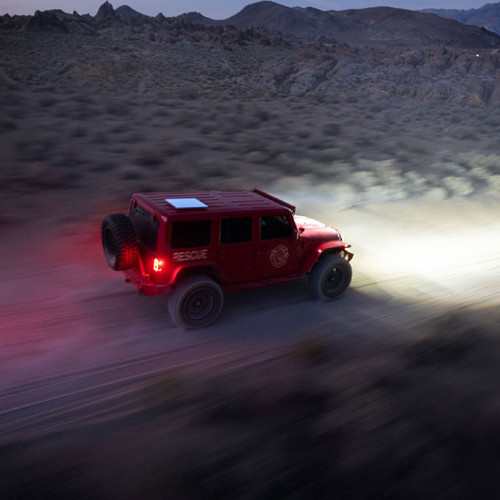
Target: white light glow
[{"x": 438, "y": 253}]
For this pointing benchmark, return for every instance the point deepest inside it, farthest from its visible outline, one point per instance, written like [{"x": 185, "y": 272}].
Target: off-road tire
[
  {"x": 330, "y": 277},
  {"x": 118, "y": 242},
  {"x": 196, "y": 302}
]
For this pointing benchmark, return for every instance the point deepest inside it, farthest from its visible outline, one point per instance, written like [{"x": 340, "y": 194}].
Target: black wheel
[
  {"x": 196, "y": 302},
  {"x": 330, "y": 276},
  {"x": 118, "y": 242}
]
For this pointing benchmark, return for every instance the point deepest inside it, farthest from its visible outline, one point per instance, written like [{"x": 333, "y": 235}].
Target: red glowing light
[{"x": 158, "y": 265}]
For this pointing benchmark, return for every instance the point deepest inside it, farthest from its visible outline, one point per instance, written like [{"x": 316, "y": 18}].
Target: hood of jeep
[{"x": 313, "y": 229}]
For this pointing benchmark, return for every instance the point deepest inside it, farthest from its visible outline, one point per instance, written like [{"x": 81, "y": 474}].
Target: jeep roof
[{"x": 216, "y": 202}]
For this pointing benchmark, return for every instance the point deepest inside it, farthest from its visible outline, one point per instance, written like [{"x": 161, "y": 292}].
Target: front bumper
[{"x": 346, "y": 254}]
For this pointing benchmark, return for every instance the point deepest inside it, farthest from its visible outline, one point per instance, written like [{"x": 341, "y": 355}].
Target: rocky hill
[
  {"x": 417, "y": 55},
  {"x": 487, "y": 16},
  {"x": 372, "y": 27},
  {"x": 381, "y": 26}
]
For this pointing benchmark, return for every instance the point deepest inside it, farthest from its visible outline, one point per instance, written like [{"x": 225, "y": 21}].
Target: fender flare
[
  {"x": 325, "y": 248},
  {"x": 215, "y": 270}
]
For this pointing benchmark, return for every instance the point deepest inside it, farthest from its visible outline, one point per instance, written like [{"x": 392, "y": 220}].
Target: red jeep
[{"x": 192, "y": 244}]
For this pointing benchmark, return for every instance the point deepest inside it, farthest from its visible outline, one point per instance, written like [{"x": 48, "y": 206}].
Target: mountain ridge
[
  {"x": 487, "y": 16},
  {"x": 377, "y": 26},
  {"x": 371, "y": 26}
]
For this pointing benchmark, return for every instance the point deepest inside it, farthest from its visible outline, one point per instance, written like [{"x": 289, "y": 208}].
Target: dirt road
[{"x": 73, "y": 335}]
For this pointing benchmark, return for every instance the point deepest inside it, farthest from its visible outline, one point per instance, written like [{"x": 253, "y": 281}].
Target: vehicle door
[
  {"x": 277, "y": 247},
  {"x": 237, "y": 249}
]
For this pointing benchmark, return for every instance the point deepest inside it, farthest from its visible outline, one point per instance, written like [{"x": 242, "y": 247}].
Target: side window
[
  {"x": 146, "y": 228},
  {"x": 236, "y": 230},
  {"x": 274, "y": 227},
  {"x": 191, "y": 233}
]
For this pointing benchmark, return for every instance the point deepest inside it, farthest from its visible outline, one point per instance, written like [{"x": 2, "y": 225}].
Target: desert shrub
[
  {"x": 329, "y": 155},
  {"x": 392, "y": 189},
  {"x": 161, "y": 111},
  {"x": 341, "y": 170},
  {"x": 101, "y": 138},
  {"x": 416, "y": 183},
  {"x": 130, "y": 173},
  {"x": 376, "y": 108},
  {"x": 449, "y": 168},
  {"x": 364, "y": 179},
  {"x": 263, "y": 115},
  {"x": 457, "y": 186},
  {"x": 479, "y": 177},
  {"x": 41, "y": 175},
  {"x": 363, "y": 142},
  {"x": 215, "y": 169},
  {"x": 48, "y": 101},
  {"x": 494, "y": 182},
  {"x": 190, "y": 144},
  {"x": 7, "y": 125},
  {"x": 479, "y": 173},
  {"x": 220, "y": 146},
  {"x": 464, "y": 134},
  {"x": 149, "y": 158},
  {"x": 120, "y": 128},
  {"x": 133, "y": 137},
  {"x": 332, "y": 129},
  {"x": 257, "y": 157},
  {"x": 188, "y": 93},
  {"x": 461, "y": 330},
  {"x": 389, "y": 148},
  {"x": 246, "y": 143},
  {"x": 207, "y": 128},
  {"x": 303, "y": 133},
  {"x": 78, "y": 131},
  {"x": 184, "y": 118},
  {"x": 317, "y": 142},
  {"x": 435, "y": 194},
  {"x": 249, "y": 122},
  {"x": 419, "y": 148},
  {"x": 38, "y": 146},
  {"x": 444, "y": 348},
  {"x": 117, "y": 107},
  {"x": 102, "y": 166},
  {"x": 469, "y": 161}
]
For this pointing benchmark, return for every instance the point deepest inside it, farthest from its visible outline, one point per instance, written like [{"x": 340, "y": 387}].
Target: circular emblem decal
[{"x": 279, "y": 256}]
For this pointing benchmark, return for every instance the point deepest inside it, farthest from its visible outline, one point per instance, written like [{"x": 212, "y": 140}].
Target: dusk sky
[{"x": 220, "y": 9}]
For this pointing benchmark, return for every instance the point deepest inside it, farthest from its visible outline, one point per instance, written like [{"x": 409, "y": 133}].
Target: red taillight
[{"x": 158, "y": 265}]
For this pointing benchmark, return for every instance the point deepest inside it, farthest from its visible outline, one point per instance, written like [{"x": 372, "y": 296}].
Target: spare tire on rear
[{"x": 118, "y": 242}]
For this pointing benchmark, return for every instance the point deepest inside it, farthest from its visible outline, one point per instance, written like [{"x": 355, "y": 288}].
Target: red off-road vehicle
[{"x": 193, "y": 244}]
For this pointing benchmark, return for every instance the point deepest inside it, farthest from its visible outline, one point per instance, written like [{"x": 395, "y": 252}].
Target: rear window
[
  {"x": 236, "y": 230},
  {"x": 190, "y": 234},
  {"x": 145, "y": 226}
]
